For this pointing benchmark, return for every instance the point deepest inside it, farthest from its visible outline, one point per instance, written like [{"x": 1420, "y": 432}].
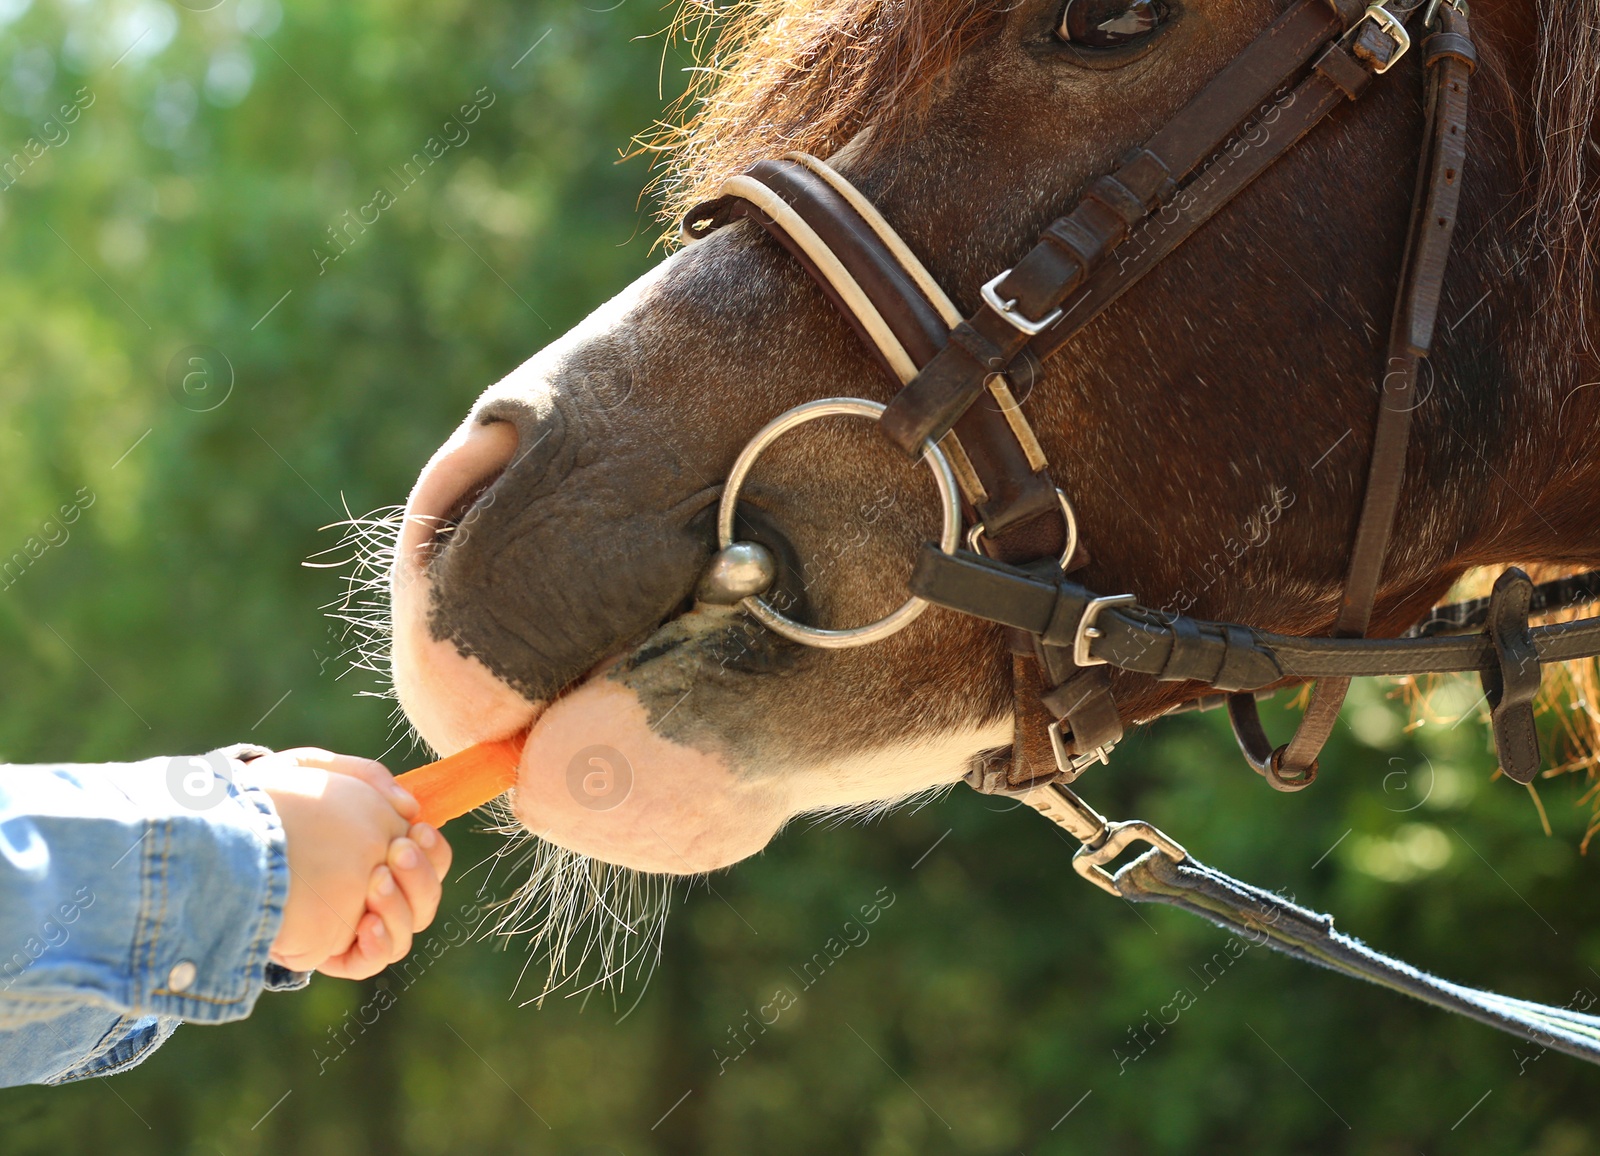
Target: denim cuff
[
  {"x": 214, "y": 886},
  {"x": 280, "y": 978},
  {"x": 127, "y": 1044}
]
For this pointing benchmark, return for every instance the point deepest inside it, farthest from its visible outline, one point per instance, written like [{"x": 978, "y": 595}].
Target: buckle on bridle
[
  {"x": 1008, "y": 309},
  {"x": 1069, "y": 764},
  {"x": 976, "y": 532},
  {"x": 1432, "y": 15},
  {"x": 1088, "y": 631},
  {"x": 1391, "y": 27}
]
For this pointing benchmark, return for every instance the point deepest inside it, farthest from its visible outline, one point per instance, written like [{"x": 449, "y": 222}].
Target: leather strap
[
  {"x": 1259, "y": 143},
  {"x": 903, "y": 318},
  {"x": 1245, "y": 718},
  {"x": 1264, "y": 139},
  {"x": 1225, "y": 655},
  {"x": 1260, "y": 917},
  {"x": 1449, "y": 66},
  {"x": 871, "y": 276},
  {"x": 1074, "y": 245},
  {"x": 1511, "y": 685}
]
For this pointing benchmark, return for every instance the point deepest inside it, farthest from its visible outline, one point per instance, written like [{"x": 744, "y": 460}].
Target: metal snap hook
[{"x": 949, "y": 535}]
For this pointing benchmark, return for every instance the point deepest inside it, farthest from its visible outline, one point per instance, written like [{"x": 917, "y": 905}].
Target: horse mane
[
  {"x": 1565, "y": 118},
  {"x": 1561, "y": 123},
  {"x": 773, "y": 76}
]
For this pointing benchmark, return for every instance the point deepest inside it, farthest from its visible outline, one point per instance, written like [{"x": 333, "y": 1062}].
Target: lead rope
[{"x": 1169, "y": 874}]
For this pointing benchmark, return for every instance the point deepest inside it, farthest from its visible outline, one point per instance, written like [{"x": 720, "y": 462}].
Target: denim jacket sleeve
[{"x": 133, "y": 896}]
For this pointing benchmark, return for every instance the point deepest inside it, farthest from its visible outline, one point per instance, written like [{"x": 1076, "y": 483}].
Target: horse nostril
[
  {"x": 450, "y": 521},
  {"x": 465, "y": 469}
]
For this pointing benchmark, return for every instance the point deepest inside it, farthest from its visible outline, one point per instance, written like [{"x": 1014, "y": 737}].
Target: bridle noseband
[{"x": 956, "y": 408}]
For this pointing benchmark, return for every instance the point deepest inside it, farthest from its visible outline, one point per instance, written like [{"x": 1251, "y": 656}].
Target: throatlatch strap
[
  {"x": 1264, "y": 918},
  {"x": 1448, "y": 61}
]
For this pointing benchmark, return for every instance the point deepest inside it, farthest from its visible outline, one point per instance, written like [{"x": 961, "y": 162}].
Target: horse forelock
[{"x": 781, "y": 75}]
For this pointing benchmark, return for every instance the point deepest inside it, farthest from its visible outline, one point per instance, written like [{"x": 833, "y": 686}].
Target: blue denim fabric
[{"x": 133, "y": 896}]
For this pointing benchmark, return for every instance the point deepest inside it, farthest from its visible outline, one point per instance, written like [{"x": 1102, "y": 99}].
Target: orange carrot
[{"x": 453, "y": 786}]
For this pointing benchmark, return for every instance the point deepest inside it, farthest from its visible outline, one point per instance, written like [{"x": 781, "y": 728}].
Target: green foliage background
[{"x": 996, "y": 1006}]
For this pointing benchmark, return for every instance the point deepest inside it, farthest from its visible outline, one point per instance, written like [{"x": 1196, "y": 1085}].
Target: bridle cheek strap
[
  {"x": 903, "y": 318},
  {"x": 1031, "y": 297}
]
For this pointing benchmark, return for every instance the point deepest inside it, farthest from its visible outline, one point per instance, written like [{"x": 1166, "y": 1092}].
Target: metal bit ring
[{"x": 949, "y": 535}]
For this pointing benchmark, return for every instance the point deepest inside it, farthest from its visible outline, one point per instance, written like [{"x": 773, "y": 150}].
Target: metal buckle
[
  {"x": 1088, "y": 632},
  {"x": 1432, "y": 16},
  {"x": 1102, "y": 839},
  {"x": 1393, "y": 28},
  {"x": 976, "y": 531},
  {"x": 1008, "y": 309},
  {"x": 1071, "y": 765}
]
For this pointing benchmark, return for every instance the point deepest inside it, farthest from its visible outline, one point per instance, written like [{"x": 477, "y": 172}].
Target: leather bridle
[{"x": 957, "y": 407}]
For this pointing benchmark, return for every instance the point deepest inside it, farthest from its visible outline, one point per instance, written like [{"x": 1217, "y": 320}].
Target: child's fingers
[
  {"x": 388, "y": 901},
  {"x": 366, "y": 957},
  {"x": 418, "y": 880},
  {"x": 383, "y": 936},
  {"x": 434, "y": 847},
  {"x": 369, "y": 771},
  {"x": 297, "y": 961}
]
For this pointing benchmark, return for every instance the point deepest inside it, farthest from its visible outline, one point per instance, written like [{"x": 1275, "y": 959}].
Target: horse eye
[{"x": 1110, "y": 23}]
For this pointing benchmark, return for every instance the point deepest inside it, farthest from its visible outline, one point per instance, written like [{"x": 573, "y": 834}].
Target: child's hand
[
  {"x": 402, "y": 898},
  {"x": 361, "y": 880}
]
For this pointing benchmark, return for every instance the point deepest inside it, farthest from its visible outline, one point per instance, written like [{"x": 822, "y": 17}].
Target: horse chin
[{"x": 599, "y": 779}]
